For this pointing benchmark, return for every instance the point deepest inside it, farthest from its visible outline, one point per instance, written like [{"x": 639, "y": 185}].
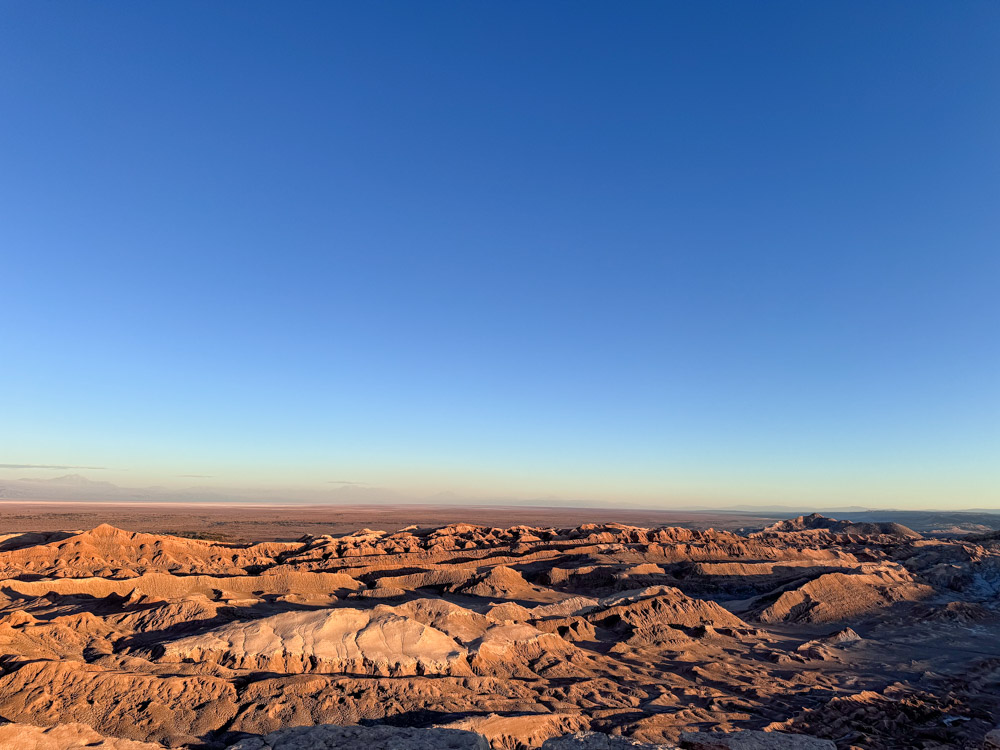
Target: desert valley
[
  {"x": 805, "y": 633},
  {"x": 500, "y": 375}
]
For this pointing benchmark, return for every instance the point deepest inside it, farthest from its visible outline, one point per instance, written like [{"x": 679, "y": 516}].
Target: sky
[{"x": 654, "y": 253}]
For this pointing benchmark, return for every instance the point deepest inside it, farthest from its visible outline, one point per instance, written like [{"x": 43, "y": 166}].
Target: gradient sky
[{"x": 652, "y": 252}]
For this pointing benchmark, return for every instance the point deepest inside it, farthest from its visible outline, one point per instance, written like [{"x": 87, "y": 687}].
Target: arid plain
[{"x": 291, "y": 628}]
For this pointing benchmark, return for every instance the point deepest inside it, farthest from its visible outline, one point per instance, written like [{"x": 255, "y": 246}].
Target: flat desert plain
[
  {"x": 269, "y": 522},
  {"x": 140, "y": 627}
]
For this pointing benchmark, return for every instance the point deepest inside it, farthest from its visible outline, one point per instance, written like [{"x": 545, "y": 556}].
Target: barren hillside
[{"x": 811, "y": 633}]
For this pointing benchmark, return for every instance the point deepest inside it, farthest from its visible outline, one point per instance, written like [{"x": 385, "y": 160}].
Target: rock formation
[{"x": 822, "y": 632}]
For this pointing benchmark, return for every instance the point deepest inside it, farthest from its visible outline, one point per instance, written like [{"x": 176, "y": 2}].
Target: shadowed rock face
[
  {"x": 327, "y": 737},
  {"x": 820, "y": 632},
  {"x": 753, "y": 741}
]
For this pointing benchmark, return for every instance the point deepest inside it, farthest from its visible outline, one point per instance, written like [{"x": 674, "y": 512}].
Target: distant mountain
[
  {"x": 75, "y": 480},
  {"x": 935, "y": 522},
  {"x": 817, "y": 522},
  {"x": 797, "y": 509},
  {"x": 78, "y": 488}
]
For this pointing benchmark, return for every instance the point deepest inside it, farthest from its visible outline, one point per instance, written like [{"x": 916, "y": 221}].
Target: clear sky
[{"x": 647, "y": 252}]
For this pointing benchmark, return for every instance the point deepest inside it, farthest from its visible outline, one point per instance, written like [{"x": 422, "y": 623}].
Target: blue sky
[{"x": 652, "y": 253}]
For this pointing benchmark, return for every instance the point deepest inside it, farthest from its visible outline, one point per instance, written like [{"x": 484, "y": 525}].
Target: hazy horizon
[
  {"x": 77, "y": 488},
  {"x": 662, "y": 255}
]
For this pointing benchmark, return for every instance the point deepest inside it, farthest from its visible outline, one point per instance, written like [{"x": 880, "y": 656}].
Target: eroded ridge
[{"x": 816, "y": 631}]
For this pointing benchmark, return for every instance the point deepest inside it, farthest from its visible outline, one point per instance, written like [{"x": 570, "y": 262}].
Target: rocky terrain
[{"x": 811, "y": 633}]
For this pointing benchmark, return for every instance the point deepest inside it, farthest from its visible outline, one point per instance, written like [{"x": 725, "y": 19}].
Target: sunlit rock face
[{"x": 806, "y": 633}]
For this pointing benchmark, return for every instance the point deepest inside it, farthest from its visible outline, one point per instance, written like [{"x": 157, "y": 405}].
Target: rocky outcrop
[
  {"x": 599, "y": 741},
  {"x": 524, "y": 729},
  {"x": 836, "y": 597},
  {"x": 64, "y": 737},
  {"x": 659, "y": 606},
  {"x": 110, "y": 552},
  {"x": 498, "y": 583},
  {"x": 171, "y": 709},
  {"x": 818, "y": 523},
  {"x": 750, "y": 740},
  {"x": 603, "y": 636},
  {"x": 328, "y": 737},
  {"x": 352, "y": 641},
  {"x": 165, "y": 586}
]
